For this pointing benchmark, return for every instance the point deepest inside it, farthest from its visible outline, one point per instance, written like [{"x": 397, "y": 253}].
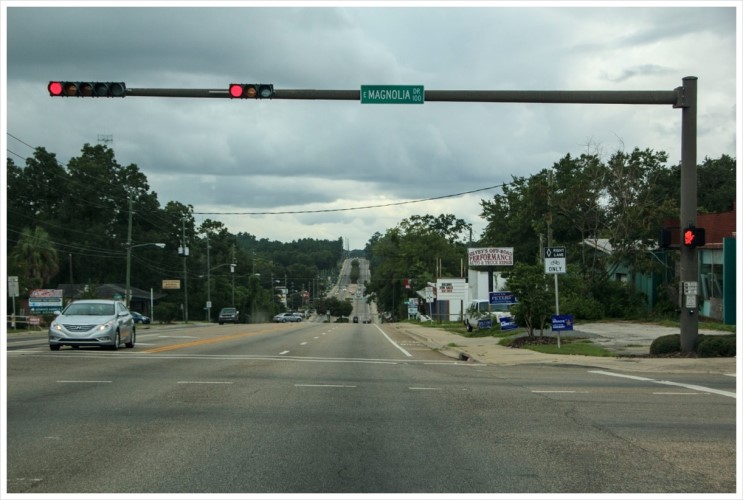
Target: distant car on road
[
  {"x": 287, "y": 317},
  {"x": 140, "y": 318},
  {"x": 229, "y": 315},
  {"x": 355, "y": 319},
  {"x": 92, "y": 323}
]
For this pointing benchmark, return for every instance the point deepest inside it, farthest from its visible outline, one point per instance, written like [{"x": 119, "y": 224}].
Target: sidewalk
[{"x": 486, "y": 349}]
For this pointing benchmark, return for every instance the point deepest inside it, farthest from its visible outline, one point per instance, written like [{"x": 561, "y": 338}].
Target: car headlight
[
  {"x": 106, "y": 326},
  {"x": 56, "y": 326}
]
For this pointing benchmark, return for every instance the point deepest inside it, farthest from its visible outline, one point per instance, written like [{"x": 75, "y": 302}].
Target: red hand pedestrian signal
[{"x": 694, "y": 236}]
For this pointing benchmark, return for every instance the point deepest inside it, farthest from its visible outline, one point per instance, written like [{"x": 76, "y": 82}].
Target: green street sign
[{"x": 392, "y": 94}]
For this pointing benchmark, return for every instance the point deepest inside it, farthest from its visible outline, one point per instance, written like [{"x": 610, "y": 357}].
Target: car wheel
[
  {"x": 117, "y": 341},
  {"x": 221, "y": 323},
  {"x": 133, "y": 339},
  {"x": 54, "y": 347}
]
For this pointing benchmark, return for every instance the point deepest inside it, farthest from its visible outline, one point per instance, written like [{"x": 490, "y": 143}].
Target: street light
[{"x": 128, "y": 292}]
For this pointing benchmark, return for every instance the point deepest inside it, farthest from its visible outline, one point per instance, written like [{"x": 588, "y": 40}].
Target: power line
[{"x": 356, "y": 208}]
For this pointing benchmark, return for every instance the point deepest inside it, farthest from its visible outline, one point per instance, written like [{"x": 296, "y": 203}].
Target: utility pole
[
  {"x": 184, "y": 254},
  {"x": 232, "y": 270},
  {"x": 127, "y": 291},
  {"x": 208, "y": 284}
]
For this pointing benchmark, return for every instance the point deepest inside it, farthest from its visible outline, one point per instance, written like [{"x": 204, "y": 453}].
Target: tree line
[
  {"x": 625, "y": 199},
  {"x": 69, "y": 224}
]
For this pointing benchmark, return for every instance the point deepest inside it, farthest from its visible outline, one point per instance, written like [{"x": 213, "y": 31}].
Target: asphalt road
[{"x": 349, "y": 408}]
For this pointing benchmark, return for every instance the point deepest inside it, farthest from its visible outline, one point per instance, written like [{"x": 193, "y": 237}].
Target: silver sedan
[{"x": 93, "y": 323}]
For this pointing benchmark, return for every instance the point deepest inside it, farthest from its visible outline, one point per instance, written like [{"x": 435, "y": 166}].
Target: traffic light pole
[
  {"x": 684, "y": 97},
  {"x": 689, "y": 271}
]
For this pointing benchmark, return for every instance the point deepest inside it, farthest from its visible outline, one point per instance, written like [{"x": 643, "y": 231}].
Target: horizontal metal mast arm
[{"x": 667, "y": 97}]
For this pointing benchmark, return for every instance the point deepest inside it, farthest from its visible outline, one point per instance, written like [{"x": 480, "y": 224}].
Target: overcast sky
[{"x": 223, "y": 155}]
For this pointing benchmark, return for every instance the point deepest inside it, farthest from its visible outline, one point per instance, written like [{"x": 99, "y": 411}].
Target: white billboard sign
[
  {"x": 451, "y": 289},
  {"x": 491, "y": 256}
]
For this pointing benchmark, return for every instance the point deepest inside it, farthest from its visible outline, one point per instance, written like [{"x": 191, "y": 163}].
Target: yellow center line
[{"x": 213, "y": 340}]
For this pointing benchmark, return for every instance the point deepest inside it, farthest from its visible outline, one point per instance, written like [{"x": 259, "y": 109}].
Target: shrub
[
  {"x": 586, "y": 308},
  {"x": 667, "y": 344},
  {"x": 165, "y": 312},
  {"x": 713, "y": 346}
]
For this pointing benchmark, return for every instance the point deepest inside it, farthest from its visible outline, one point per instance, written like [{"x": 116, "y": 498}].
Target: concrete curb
[{"x": 485, "y": 350}]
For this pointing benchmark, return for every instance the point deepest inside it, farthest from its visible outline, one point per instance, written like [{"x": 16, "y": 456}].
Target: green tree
[
  {"x": 532, "y": 289},
  {"x": 34, "y": 258}
]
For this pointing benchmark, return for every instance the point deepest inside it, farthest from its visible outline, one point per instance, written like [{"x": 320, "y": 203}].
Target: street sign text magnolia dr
[{"x": 392, "y": 94}]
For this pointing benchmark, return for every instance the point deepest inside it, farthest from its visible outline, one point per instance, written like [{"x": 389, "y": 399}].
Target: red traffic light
[
  {"x": 55, "y": 88},
  {"x": 251, "y": 90},
  {"x": 87, "y": 89},
  {"x": 694, "y": 237}
]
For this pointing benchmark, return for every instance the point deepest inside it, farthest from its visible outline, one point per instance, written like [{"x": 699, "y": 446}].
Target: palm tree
[{"x": 35, "y": 257}]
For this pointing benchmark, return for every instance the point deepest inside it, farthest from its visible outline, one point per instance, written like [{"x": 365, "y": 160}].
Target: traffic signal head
[
  {"x": 251, "y": 90},
  {"x": 87, "y": 89},
  {"x": 664, "y": 238},
  {"x": 693, "y": 237}
]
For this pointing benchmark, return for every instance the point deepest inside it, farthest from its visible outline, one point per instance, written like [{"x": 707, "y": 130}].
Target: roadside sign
[
  {"x": 555, "y": 260},
  {"x": 691, "y": 301},
  {"x": 13, "y": 290},
  {"x": 501, "y": 298},
  {"x": 507, "y": 323},
  {"x": 691, "y": 287},
  {"x": 562, "y": 322},
  {"x": 555, "y": 252},
  {"x": 392, "y": 94},
  {"x": 171, "y": 284}
]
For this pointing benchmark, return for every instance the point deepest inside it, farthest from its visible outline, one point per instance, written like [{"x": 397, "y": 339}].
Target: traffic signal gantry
[{"x": 683, "y": 98}]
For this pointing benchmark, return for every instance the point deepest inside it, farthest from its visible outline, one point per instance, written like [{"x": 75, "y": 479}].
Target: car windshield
[
  {"x": 88, "y": 309},
  {"x": 228, "y": 311}
]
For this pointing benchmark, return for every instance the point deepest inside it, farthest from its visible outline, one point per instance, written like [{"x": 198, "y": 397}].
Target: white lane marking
[
  {"x": 553, "y": 392},
  {"x": 303, "y": 343},
  {"x": 283, "y": 352},
  {"x": 200, "y": 382},
  {"x": 678, "y": 394},
  {"x": 666, "y": 382},
  {"x": 424, "y": 388},
  {"x": 84, "y": 381},
  {"x": 325, "y": 385},
  {"x": 730, "y": 374},
  {"x": 455, "y": 363},
  {"x": 317, "y": 338},
  {"x": 394, "y": 343}
]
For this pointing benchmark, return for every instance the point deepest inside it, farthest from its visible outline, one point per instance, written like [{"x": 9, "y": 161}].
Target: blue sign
[
  {"x": 507, "y": 323},
  {"x": 485, "y": 323},
  {"x": 562, "y": 322},
  {"x": 501, "y": 298}
]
